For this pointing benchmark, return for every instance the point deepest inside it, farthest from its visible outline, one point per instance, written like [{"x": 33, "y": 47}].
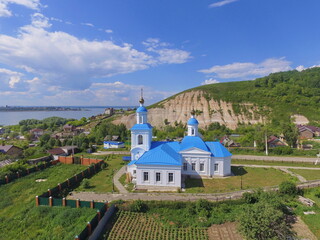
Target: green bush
[
  {"x": 288, "y": 188},
  {"x": 283, "y": 150},
  {"x": 138, "y": 206}
]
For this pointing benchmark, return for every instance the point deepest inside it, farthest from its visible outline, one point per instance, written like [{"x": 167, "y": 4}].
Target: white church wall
[
  {"x": 164, "y": 171},
  {"x": 223, "y": 166}
]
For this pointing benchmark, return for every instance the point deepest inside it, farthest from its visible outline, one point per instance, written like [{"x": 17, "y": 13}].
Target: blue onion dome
[
  {"x": 193, "y": 121},
  {"x": 141, "y": 109}
]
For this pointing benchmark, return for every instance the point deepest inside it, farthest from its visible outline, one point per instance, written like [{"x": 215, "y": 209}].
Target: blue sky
[{"x": 76, "y": 52}]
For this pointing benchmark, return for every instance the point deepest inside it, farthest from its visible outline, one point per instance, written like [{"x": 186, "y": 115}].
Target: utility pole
[{"x": 266, "y": 140}]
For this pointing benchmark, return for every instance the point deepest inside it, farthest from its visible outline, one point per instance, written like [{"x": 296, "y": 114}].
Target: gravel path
[
  {"x": 273, "y": 158},
  {"x": 116, "y": 177}
]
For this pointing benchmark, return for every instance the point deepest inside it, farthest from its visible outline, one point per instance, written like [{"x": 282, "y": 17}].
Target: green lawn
[
  {"x": 307, "y": 174},
  {"x": 21, "y": 219},
  {"x": 102, "y": 181},
  {"x": 128, "y": 186},
  {"x": 251, "y": 178},
  {"x": 273, "y": 163},
  {"x": 313, "y": 221}
]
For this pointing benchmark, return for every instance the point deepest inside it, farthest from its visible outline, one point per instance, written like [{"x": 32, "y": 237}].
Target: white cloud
[
  {"x": 87, "y": 24},
  {"x": 249, "y": 70},
  {"x": 221, "y": 3},
  {"x": 40, "y": 21},
  {"x": 209, "y": 81},
  {"x": 9, "y": 78},
  {"x": 166, "y": 55},
  {"x": 5, "y": 12},
  {"x": 108, "y": 31},
  {"x": 301, "y": 67}
]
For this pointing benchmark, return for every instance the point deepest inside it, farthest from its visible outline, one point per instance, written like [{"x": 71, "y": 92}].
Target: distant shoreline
[{"x": 32, "y": 109}]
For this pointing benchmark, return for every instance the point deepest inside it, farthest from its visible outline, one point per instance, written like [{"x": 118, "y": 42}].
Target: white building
[
  {"x": 162, "y": 164},
  {"x": 112, "y": 144}
]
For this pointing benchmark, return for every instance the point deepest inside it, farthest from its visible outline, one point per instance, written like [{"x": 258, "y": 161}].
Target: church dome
[
  {"x": 193, "y": 121},
  {"x": 141, "y": 109}
]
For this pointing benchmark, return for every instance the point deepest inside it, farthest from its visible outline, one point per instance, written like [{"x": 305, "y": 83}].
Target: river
[{"x": 13, "y": 118}]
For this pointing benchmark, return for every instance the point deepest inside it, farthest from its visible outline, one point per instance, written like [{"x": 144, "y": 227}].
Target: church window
[
  {"x": 192, "y": 131},
  {"x": 134, "y": 171},
  {"x": 216, "y": 167},
  {"x": 193, "y": 166},
  {"x": 145, "y": 176},
  {"x": 170, "y": 177},
  {"x": 158, "y": 177},
  {"x": 140, "y": 140},
  {"x": 141, "y": 119},
  {"x": 185, "y": 166},
  {"x": 201, "y": 167}
]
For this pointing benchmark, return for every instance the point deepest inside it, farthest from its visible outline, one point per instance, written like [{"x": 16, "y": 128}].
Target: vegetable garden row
[{"x": 132, "y": 225}]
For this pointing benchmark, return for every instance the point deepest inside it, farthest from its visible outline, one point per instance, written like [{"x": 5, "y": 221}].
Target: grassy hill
[{"x": 277, "y": 96}]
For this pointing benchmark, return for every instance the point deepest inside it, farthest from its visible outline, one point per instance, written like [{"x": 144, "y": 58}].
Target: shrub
[
  {"x": 288, "y": 188},
  {"x": 138, "y": 206},
  {"x": 285, "y": 150}
]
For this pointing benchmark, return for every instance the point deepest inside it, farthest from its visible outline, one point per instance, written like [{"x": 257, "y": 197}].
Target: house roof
[
  {"x": 5, "y": 148},
  {"x": 56, "y": 151},
  {"x": 145, "y": 126},
  {"x": 113, "y": 142},
  {"x": 36, "y": 130}
]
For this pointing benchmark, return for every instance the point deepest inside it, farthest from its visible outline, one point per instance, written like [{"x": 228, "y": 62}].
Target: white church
[{"x": 164, "y": 164}]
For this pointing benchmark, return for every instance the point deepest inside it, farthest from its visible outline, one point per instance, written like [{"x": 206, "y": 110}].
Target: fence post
[
  {"x": 89, "y": 228},
  {"x": 50, "y": 201},
  {"x": 76, "y": 238},
  {"x": 64, "y": 202},
  {"x": 99, "y": 215},
  {"x": 7, "y": 179},
  {"x": 92, "y": 204},
  {"x": 37, "y": 201},
  {"x": 59, "y": 186},
  {"x": 49, "y": 192},
  {"x": 77, "y": 203}
]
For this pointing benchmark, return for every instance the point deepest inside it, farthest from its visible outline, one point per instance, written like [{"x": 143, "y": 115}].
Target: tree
[
  {"x": 262, "y": 221},
  {"x": 288, "y": 188}
]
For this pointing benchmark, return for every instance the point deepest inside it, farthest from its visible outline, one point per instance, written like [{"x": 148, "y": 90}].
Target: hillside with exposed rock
[{"x": 278, "y": 96}]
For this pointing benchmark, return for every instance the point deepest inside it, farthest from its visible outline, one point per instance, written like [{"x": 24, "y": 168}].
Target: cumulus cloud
[
  {"x": 209, "y": 81},
  {"x": 166, "y": 54},
  {"x": 249, "y": 70},
  {"x": 58, "y": 66},
  {"x": 9, "y": 78},
  {"x": 5, "y": 12},
  {"x": 301, "y": 67},
  {"x": 221, "y": 3}
]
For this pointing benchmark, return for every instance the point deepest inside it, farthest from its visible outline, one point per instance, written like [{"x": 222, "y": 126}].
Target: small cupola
[{"x": 193, "y": 125}]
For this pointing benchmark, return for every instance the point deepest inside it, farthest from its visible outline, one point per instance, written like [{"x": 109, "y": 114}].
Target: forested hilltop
[{"x": 285, "y": 93}]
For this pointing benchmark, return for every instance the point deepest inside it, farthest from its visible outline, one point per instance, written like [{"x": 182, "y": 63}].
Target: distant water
[{"x": 12, "y": 118}]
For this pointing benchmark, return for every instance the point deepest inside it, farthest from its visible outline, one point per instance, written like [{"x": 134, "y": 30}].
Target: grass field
[
  {"x": 102, "y": 181},
  {"x": 21, "y": 219},
  {"x": 313, "y": 221},
  {"x": 307, "y": 174},
  {"x": 251, "y": 178},
  {"x": 130, "y": 225},
  {"x": 274, "y": 163}
]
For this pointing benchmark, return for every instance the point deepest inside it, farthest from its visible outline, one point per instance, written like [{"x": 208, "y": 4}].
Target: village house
[
  {"x": 37, "y": 132},
  {"x": 308, "y": 132},
  {"x": 11, "y": 150},
  {"x": 166, "y": 164}
]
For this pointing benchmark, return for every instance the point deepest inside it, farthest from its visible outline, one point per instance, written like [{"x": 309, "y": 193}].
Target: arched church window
[
  {"x": 140, "y": 140},
  {"x": 141, "y": 119},
  {"x": 192, "y": 131}
]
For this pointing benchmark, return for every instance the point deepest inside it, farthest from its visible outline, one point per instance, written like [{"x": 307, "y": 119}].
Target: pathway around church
[{"x": 125, "y": 195}]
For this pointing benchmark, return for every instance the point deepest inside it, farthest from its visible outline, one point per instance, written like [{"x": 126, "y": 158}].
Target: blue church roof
[
  {"x": 218, "y": 150},
  {"x": 193, "y": 121},
  {"x": 144, "y": 126},
  {"x": 193, "y": 141},
  {"x": 167, "y": 153},
  {"x": 141, "y": 109},
  {"x": 161, "y": 153}
]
